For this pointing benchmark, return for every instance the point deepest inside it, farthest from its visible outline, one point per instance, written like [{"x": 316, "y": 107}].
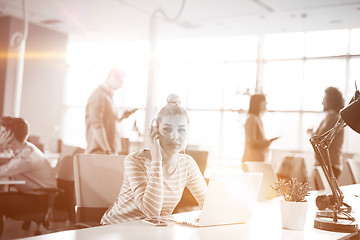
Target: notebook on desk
[{"x": 230, "y": 199}]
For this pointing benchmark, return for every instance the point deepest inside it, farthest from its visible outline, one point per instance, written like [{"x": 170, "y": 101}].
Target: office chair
[
  {"x": 320, "y": 180},
  {"x": 355, "y": 169},
  {"x": 98, "y": 179},
  {"x": 346, "y": 175},
  {"x": 44, "y": 213},
  {"x": 293, "y": 166},
  {"x": 187, "y": 201},
  {"x": 65, "y": 201}
]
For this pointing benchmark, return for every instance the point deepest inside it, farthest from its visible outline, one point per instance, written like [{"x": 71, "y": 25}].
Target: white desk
[
  {"x": 265, "y": 224},
  {"x": 11, "y": 182}
]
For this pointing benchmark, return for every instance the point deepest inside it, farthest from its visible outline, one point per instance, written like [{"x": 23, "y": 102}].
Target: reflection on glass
[
  {"x": 327, "y": 43},
  {"x": 283, "y": 84},
  {"x": 284, "y": 45},
  {"x": 318, "y": 75}
]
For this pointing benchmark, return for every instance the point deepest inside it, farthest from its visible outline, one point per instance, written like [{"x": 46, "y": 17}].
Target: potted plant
[{"x": 294, "y": 204}]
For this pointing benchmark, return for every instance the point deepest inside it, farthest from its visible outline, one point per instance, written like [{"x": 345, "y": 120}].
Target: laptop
[
  {"x": 269, "y": 178},
  {"x": 230, "y": 199}
]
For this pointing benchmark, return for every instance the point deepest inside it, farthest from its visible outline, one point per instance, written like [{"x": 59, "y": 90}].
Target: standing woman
[
  {"x": 155, "y": 178},
  {"x": 333, "y": 102},
  {"x": 256, "y": 145}
]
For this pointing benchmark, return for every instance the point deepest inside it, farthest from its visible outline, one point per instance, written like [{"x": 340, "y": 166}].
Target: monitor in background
[{"x": 269, "y": 178}]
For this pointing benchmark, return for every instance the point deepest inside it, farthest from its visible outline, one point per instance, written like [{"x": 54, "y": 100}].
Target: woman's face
[{"x": 173, "y": 133}]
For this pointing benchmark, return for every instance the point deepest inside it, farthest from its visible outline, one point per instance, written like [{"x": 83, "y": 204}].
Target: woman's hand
[
  {"x": 5, "y": 137},
  {"x": 155, "y": 148}
]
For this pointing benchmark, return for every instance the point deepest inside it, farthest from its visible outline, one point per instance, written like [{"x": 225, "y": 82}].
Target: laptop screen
[{"x": 231, "y": 197}]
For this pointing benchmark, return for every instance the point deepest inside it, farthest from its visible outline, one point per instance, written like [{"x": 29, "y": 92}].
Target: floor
[{"x": 12, "y": 229}]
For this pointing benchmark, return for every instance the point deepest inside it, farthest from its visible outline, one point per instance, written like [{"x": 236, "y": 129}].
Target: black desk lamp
[{"x": 338, "y": 218}]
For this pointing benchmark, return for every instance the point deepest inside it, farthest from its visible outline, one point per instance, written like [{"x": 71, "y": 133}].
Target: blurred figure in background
[
  {"x": 333, "y": 102},
  {"x": 256, "y": 145},
  {"x": 28, "y": 163},
  {"x": 101, "y": 116}
]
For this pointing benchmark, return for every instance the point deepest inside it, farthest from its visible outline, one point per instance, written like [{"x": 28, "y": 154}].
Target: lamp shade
[{"x": 351, "y": 115}]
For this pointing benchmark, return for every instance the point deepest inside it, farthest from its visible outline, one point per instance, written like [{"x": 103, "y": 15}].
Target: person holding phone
[
  {"x": 256, "y": 145},
  {"x": 101, "y": 116},
  {"x": 156, "y": 177}
]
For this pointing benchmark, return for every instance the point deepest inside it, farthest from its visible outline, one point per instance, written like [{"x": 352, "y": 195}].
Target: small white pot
[{"x": 293, "y": 214}]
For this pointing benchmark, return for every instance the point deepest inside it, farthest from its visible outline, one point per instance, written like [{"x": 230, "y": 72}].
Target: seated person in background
[
  {"x": 155, "y": 178},
  {"x": 28, "y": 163},
  {"x": 333, "y": 102}
]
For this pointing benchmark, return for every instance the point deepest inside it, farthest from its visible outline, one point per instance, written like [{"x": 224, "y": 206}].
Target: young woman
[
  {"x": 256, "y": 145},
  {"x": 155, "y": 178}
]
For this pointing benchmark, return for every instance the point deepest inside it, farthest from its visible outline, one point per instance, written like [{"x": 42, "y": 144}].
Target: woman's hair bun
[{"x": 173, "y": 99}]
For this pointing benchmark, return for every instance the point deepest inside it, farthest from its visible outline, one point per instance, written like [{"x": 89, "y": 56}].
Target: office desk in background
[
  {"x": 265, "y": 224},
  {"x": 11, "y": 182}
]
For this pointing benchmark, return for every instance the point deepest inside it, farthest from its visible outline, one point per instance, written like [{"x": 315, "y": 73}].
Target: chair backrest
[
  {"x": 346, "y": 176},
  {"x": 293, "y": 166},
  {"x": 187, "y": 200},
  {"x": 355, "y": 169},
  {"x": 98, "y": 179},
  {"x": 64, "y": 167},
  {"x": 321, "y": 180},
  {"x": 201, "y": 157},
  {"x": 269, "y": 178}
]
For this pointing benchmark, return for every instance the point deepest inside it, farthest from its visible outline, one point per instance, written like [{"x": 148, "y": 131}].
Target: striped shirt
[{"x": 146, "y": 192}]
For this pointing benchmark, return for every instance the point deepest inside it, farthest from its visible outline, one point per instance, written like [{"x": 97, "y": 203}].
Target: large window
[
  {"x": 88, "y": 67},
  {"x": 215, "y": 78}
]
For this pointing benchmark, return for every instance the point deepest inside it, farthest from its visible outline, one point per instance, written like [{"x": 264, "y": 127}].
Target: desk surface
[
  {"x": 8, "y": 182},
  {"x": 265, "y": 224}
]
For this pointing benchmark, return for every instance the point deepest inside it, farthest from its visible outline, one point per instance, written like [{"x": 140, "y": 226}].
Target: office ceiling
[{"x": 112, "y": 20}]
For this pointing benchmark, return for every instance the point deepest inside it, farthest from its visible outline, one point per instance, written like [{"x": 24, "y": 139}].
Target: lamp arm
[
  {"x": 321, "y": 146},
  {"x": 329, "y": 173}
]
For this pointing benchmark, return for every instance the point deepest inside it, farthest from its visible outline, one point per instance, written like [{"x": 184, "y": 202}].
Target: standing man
[{"x": 102, "y": 116}]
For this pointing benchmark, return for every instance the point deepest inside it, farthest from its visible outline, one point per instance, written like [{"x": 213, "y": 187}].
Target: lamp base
[
  {"x": 342, "y": 225},
  {"x": 330, "y": 214}
]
